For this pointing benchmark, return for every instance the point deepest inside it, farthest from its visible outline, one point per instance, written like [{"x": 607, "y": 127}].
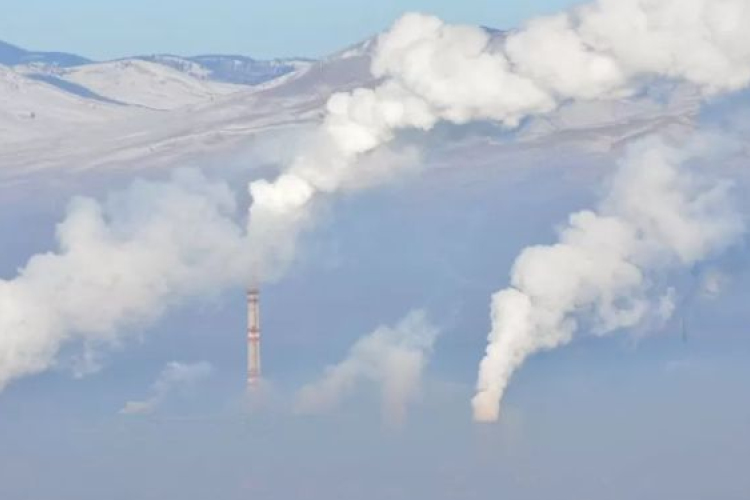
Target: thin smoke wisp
[
  {"x": 175, "y": 376},
  {"x": 393, "y": 358}
]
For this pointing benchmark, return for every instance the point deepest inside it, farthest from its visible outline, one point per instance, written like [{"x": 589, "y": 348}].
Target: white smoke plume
[
  {"x": 602, "y": 274},
  {"x": 120, "y": 264},
  {"x": 432, "y": 71},
  {"x": 392, "y": 357},
  {"x": 175, "y": 376}
]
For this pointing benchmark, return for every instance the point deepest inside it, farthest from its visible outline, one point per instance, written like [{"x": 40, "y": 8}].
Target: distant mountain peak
[{"x": 12, "y": 55}]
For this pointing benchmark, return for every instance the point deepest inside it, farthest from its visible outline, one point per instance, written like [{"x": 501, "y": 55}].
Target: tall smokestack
[{"x": 253, "y": 338}]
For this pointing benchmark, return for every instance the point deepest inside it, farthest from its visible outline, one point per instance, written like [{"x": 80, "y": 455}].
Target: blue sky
[{"x": 109, "y": 29}]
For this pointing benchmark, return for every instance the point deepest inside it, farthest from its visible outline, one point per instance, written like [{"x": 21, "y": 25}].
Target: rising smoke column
[
  {"x": 391, "y": 357},
  {"x": 433, "y": 72},
  {"x": 603, "y": 271}
]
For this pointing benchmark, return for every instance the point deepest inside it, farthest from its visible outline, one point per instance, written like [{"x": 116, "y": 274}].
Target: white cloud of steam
[
  {"x": 392, "y": 357},
  {"x": 120, "y": 263},
  {"x": 432, "y": 71},
  {"x": 602, "y": 274},
  {"x": 285, "y": 208},
  {"x": 175, "y": 376},
  {"x": 436, "y": 71}
]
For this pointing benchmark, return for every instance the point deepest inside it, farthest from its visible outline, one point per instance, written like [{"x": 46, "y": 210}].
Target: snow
[
  {"x": 172, "y": 118},
  {"x": 182, "y": 64},
  {"x": 146, "y": 84},
  {"x": 31, "y": 110}
]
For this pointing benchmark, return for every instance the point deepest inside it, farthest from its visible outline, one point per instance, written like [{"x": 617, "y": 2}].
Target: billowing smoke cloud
[
  {"x": 175, "y": 376},
  {"x": 603, "y": 273},
  {"x": 394, "y": 358},
  {"x": 120, "y": 264},
  {"x": 432, "y": 71}
]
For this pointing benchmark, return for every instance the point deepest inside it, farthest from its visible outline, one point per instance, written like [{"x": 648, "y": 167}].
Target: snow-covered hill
[
  {"x": 144, "y": 83},
  {"x": 237, "y": 69},
  {"x": 32, "y": 111},
  {"x": 202, "y": 119},
  {"x": 10, "y": 55},
  {"x": 230, "y": 69}
]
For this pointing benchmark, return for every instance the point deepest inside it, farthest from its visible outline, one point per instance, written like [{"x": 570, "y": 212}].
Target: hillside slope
[
  {"x": 32, "y": 111},
  {"x": 144, "y": 83},
  {"x": 202, "y": 121}
]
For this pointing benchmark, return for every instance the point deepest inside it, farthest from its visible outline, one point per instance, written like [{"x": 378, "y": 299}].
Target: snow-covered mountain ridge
[
  {"x": 137, "y": 113},
  {"x": 140, "y": 83}
]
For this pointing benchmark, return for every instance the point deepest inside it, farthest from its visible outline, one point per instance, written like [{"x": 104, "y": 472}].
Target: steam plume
[
  {"x": 119, "y": 264},
  {"x": 432, "y": 71},
  {"x": 175, "y": 376},
  {"x": 394, "y": 358},
  {"x": 602, "y": 273}
]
